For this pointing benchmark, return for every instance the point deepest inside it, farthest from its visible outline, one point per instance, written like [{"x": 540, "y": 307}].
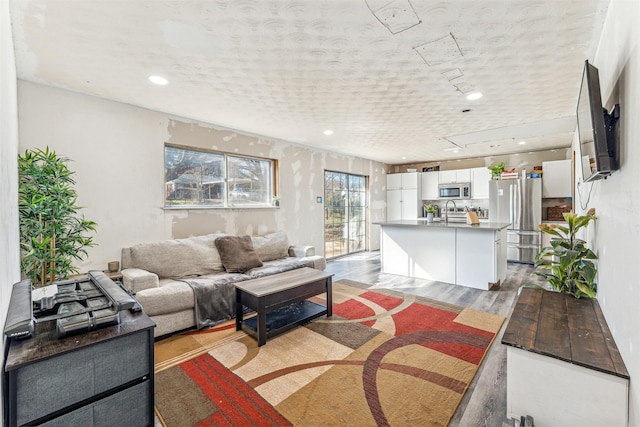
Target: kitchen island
[{"x": 453, "y": 252}]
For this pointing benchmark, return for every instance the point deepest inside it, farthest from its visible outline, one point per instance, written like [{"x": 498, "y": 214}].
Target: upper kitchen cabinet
[
  {"x": 430, "y": 181},
  {"x": 480, "y": 178},
  {"x": 556, "y": 179},
  {"x": 402, "y": 180},
  {"x": 404, "y": 192},
  {"x": 458, "y": 175}
]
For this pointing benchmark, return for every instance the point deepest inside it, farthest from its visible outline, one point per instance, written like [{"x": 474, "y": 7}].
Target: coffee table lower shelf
[
  {"x": 282, "y": 301},
  {"x": 285, "y": 318}
]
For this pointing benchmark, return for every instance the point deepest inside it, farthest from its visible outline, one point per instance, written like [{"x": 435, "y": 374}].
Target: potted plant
[
  {"x": 52, "y": 235},
  {"x": 430, "y": 210},
  {"x": 568, "y": 265},
  {"x": 496, "y": 170}
]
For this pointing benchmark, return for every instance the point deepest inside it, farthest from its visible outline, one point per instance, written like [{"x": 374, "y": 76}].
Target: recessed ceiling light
[
  {"x": 159, "y": 80},
  {"x": 522, "y": 142},
  {"x": 474, "y": 95},
  {"x": 328, "y": 132},
  {"x": 455, "y": 151},
  {"x": 404, "y": 157}
]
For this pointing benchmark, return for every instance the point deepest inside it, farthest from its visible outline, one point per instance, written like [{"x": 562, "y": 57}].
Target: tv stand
[{"x": 103, "y": 377}]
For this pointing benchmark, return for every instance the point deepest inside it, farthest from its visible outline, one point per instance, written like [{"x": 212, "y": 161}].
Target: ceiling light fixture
[
  {"x": 328, "y": 132},
  {"x": 474, "y": 95},
  {"x": 159, "y": 80},
  {"x": 522, "y": 142}
]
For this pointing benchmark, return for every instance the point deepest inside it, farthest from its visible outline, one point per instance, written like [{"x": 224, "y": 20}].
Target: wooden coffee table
[{"x": 281, "y": 301}]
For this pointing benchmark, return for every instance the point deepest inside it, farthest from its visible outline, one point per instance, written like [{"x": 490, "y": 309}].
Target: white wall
[
  {"x": 9, "y": 240},
  {"x": 118, "y": 156},
  {"x": 615, "y": 236}
]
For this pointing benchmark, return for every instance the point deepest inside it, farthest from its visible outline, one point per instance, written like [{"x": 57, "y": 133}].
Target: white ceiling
[{"x": 389, "y": 77}]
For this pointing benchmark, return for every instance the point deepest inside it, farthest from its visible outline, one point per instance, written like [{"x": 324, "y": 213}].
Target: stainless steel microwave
[{"x": 455, "y": 191}]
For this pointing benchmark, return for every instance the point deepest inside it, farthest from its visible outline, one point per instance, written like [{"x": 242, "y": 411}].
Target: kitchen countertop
[{"x": 422, "y": 223}]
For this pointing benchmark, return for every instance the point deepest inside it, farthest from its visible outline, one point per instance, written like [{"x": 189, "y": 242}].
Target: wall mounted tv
[{"x": 597, "y": 130}]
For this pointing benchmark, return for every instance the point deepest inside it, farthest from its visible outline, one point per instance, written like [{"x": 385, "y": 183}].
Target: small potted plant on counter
[{"x": 430, "y": 210}]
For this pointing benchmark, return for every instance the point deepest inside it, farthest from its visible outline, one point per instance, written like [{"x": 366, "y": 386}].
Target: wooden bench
[{"x": 563, "y": 366}]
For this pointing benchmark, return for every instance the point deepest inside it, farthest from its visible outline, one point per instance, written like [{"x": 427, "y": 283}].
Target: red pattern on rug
[
  {"x": 414, "y": 318},
  {"x": 239, "y": 404}
]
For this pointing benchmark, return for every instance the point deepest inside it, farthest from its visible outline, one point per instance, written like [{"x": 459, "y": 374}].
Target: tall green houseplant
[
  {"x": 52, "y": 233},
  {"x": 568, "y": 265}
]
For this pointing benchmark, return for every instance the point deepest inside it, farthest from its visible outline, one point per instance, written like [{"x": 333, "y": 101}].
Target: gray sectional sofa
[{"x": 183, "y": 283}]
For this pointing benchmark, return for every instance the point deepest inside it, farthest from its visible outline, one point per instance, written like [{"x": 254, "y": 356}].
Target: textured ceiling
[{"x": 389, "y": 77}]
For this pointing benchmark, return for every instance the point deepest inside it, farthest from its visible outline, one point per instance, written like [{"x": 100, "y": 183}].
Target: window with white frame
[{"x": 197, "y": 178}]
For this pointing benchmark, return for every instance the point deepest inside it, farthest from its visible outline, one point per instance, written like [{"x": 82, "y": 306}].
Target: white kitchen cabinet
[
  {"x": 404, "y": 204},
  {"x": 403, "y": 180},
  {"x": 430, "y": 181},
  {"x": 480, "y": 178},
  {"x": 394, "y": 180},
  {"x": 394, "y": 204},
  {"x": 481, "y": 261},
  {"x": 463, "y": 175},
  {"x": 556, "y": 179},
  {"x": 456, "y": 175},
  {"x": 404, "y": 196}
]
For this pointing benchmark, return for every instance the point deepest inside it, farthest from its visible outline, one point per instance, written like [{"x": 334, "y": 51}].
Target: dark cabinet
[{"x": 99, "y": 378}]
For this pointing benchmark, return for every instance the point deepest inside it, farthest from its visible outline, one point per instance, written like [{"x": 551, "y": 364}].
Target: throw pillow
[
  {"x": 271, "y": 246},
  {"x": 237, "y": 253}
]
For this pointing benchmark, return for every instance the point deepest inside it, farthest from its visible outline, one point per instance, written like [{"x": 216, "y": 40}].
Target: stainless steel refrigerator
[{"x": 518, "y": 202}]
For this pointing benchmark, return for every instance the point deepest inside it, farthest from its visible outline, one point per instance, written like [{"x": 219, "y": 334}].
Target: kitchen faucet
[{"x": 446, "y": 210}]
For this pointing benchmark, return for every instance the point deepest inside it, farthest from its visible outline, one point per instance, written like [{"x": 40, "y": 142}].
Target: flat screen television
[{"x": 597, "y": 131}]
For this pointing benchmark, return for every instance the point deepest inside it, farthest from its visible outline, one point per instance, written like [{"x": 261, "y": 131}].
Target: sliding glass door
[{"x": 345, "y": 210}]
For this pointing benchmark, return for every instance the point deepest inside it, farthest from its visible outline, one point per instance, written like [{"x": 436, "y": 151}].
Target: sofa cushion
[
  {"x": 192, "y": 256},
  {"x": 208, "y": 240},
  {"x": 237, "y": 253},
  {"x": 171, "y": 296},
  {"x": 271, "y": 246}
]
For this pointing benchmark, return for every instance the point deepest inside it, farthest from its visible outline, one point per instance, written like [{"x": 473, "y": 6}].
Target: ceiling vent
[
  {"x": 453, "y": 73},
  {"x": 396, "y": 15},
  {"x": 444, "y": 49}
]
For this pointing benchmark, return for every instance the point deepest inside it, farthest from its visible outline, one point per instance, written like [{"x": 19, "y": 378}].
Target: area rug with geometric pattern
[{"x": 384, "y": 358}]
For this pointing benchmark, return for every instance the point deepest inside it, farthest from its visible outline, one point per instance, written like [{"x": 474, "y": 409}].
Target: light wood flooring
[{"x": 485, "y": 402}]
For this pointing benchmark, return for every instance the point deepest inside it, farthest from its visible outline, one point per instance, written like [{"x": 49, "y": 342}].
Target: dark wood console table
[
  {"x": 99, "y": 378},
  {"x": 563, "y": 366},
  {"x": 281, "y": 301}
]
